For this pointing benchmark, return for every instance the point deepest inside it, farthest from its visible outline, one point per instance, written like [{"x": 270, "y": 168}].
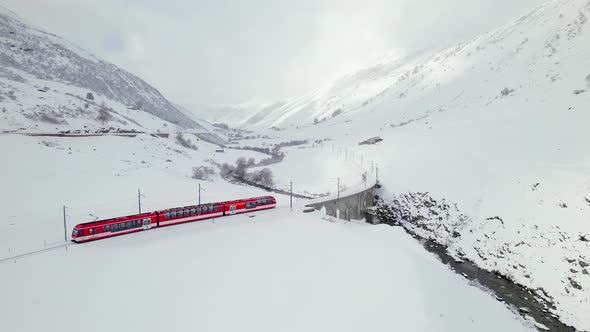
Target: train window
[
  {"x": 192, "y": 212},
  {"x": 122, "y": 226},
  {"x": 172, "y": 214},
  {"x": 129, "y": 225},
  {"x": 210, "y": 208},
  {"x": 167, "y": 215},
  {"x": 199, "y": 210},
  {"x": 106, "y": 228},
  {"x": 215, "y": 208},
  {"x": 91, "y": 231},
  {"x": 185, "y": 213}
]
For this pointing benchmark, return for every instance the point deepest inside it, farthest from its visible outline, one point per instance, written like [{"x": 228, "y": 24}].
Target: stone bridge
[{"x": 350, "y": 205}]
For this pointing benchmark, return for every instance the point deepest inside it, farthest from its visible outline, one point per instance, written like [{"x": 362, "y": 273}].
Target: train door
[
  {"x": 232, "y": 209},
  {"x": 147, "y": 224}
]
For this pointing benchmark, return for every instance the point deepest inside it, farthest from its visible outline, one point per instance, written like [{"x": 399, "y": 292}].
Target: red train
[{"x": 102, "y": 229}]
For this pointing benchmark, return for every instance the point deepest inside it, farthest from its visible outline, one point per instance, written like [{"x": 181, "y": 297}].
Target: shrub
[
  {"x": 506, "y": 91},
  {"x": 263, "y": 177},
  {"x": 104, "y": 113},
  {"x": 51, "y": 118},
  {"x": 187, "y": 143},
  {"x": 251, "y": 162},
  {"x": 226, "y": 170},
  {"x": 89, "y": 96},
  {"x": 241, "y": 165},
  {"x": 202, "y": 172}
]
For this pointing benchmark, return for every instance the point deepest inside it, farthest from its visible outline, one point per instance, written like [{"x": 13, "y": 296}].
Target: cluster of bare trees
[
  {"x": 203, "y": 172},
  {"x": 239, "y": 171}
]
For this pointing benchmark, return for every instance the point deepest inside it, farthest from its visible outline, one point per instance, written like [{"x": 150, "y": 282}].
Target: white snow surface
[
  {"x": 271, "y": 271},
  {"x": 497, "y": 126}
]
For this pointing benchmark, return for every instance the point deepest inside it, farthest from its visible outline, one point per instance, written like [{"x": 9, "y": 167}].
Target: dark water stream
[{"x": 517, "y": 296}]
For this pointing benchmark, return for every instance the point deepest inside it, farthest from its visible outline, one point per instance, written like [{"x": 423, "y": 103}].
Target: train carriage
[{"x": 101, "y": 229}]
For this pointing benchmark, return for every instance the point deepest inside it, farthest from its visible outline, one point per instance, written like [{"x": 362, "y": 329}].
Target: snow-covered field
[
  {"x": 497, "y": 126},
  {"x": 98, "y": 177},
  {"x": 272, "y": 271}
]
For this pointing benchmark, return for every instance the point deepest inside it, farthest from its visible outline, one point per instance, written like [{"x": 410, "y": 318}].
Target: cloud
[{"x": 224, "y": 52}]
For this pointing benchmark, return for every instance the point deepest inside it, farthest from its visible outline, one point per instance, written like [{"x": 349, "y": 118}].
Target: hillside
[
  {"x": 543, "y": 51},
  {"x": 47, "y": 83},
  {"x": 485, "y": 147}
]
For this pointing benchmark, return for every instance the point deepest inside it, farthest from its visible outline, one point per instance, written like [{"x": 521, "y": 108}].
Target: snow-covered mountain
[
  {"x": 545, "y": 50},
  {"x": 47, "y": 83},
  {"x": 496, "y": 128},
  {"x": 242, "y": 115}
]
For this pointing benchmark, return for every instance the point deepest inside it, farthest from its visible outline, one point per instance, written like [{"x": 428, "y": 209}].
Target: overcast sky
[{"x": 228, "y": 51}]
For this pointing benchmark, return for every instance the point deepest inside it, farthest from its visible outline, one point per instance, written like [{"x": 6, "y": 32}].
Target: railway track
[{"x": 39, "y": 251}]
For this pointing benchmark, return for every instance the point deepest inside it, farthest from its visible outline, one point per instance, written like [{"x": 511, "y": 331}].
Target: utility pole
[
  {"x": 365, "y": 178},
  {"x": 371, "y": 166},
  {"x": 65, "y": 227},
  {"x": 291, "y": 202},
  {"x": 139, "y": 200},
  {"x": 338, "y": 189},
  {"x": 199, "y": 194},
  {"x": 377, "y": 173}
]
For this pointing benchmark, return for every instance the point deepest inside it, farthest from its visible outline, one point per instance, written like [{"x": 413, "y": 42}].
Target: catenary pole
[{"x": 65, "y": 227}]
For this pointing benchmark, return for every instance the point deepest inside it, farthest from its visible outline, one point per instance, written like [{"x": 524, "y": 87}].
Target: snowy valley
[{"x": 483, "y": 149}]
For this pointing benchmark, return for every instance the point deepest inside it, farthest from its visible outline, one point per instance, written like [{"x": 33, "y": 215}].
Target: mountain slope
[
  {"x": 34, "y": 63},
  {"x": 543, "y": 50},
  {"x": 497, "y": 129}
]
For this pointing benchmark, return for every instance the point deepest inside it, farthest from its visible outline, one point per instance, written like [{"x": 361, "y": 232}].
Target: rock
[
  {"x": 541, "y": 326},
  {"x": 575, "y": 284}
]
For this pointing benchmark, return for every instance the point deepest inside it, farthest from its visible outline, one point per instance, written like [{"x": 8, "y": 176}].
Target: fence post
[{"x": 291, "y": 201}]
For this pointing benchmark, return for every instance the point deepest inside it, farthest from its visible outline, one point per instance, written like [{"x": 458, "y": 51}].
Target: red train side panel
[{"x": 102, "y": 229}]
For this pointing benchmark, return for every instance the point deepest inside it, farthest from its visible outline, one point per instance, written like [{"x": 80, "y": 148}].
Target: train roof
[{"x": 91, "y": 223}]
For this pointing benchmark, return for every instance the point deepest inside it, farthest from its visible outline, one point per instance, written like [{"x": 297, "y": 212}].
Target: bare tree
[
  {"x": 202, "y": 172},
  {"x": 263, "y": 177},
  {"x": 241, "y": 165},
  {"x": 226, "y": 170},
  {"x": 104, "y": 113},
  {"x": 186, "y": 142}
]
